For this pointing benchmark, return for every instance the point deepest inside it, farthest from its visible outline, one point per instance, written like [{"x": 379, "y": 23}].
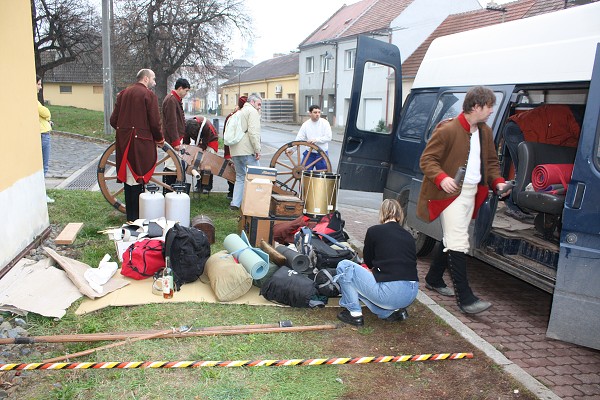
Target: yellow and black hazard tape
[{"x": 236, "y": 363}]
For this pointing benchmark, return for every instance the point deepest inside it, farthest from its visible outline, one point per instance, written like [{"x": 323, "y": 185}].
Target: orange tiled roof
[{"x": 362, "y": 17}]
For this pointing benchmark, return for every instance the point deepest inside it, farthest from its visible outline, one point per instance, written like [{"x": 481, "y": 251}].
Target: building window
[
  {"x": 308, "y": 101},
  {"x": 262, "y": 95},
  {"x": 324, "y": 63},
  {"x": 310, "y": 65},
  {"x": 66, "y": 89},
  {"x": 97, "y": 89},
  {"x": 350, "y": 57},
  {"x": 226, "y": 99}
]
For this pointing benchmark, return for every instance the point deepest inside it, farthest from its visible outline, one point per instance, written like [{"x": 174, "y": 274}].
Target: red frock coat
[{"x": 136, "y": 119}]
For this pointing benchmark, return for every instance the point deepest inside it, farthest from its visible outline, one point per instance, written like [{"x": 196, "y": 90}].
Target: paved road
[{"x": 513, "y": 330}]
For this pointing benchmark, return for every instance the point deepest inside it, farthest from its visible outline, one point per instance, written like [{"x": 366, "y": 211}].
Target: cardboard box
[
  {"x": 261, "y": 173},
  {"x": 258, "y": 187}
]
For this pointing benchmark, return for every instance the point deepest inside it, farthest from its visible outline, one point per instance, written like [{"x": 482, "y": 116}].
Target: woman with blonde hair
[{"x": 388, "y": 283}]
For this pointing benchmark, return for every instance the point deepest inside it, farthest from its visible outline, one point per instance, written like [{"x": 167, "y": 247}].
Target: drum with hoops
[{"x": 319, "y": 192}]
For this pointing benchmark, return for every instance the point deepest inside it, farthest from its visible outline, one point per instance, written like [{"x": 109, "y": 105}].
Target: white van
[{"x": 552, "y": 59}]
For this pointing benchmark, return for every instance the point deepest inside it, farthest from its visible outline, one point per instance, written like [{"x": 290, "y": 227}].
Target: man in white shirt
[{"x": 317, "y": 131}]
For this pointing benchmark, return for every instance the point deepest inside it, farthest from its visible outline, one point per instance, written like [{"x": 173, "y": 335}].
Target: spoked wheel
[
  {"x": 107, "y": 174},
  {"x": 290, "y": 165}
]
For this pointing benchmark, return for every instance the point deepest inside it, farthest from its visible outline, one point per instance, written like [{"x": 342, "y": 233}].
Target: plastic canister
[
  {"x": 152, "y": 203},
  {"x": 177, "y": 207}
]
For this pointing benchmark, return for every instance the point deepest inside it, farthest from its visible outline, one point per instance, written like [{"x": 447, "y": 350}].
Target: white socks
[
  {"x": 355, "y": 314},
  {"x": 97, "y": 277}
]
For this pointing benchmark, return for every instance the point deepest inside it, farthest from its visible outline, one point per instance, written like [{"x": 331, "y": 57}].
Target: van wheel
[{"x": 423, "y": 243}]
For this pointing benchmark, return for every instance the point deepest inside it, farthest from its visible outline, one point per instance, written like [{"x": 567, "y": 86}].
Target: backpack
[
  {"x": 320, "y": 254},
  {"x": 188, "y": 249},
  {"x": 332, "y": 224},
  {"x": 233, "y": 132},
  {"x": 325, "y": 284},
  {"x": 143, "y": 258}
]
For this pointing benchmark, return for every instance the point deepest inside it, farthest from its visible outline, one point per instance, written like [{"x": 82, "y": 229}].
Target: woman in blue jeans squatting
[{"x": 390, "y": 284}]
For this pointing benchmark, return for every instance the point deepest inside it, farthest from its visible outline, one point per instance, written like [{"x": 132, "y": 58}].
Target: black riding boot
[
  {"x": 435, "y": 275},
  {"x": 132, "y": 200},
  {"x": 457, "y": 264}
]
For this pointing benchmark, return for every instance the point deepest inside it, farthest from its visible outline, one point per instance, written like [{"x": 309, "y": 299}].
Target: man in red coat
[
  {"x": 173, "y": 119},
  {"x": 136, "y": 120}
]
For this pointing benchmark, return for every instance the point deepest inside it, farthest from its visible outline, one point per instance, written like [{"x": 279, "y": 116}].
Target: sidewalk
[{"x": 512, "y": 332}]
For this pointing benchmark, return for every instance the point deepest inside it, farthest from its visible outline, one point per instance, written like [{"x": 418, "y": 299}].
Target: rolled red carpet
[{"x": 545, "y": 175}]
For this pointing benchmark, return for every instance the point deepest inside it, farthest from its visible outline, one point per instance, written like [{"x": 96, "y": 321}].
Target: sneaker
[
  {"x": 398, "y": 315},
  {"x": 346, "y": 318},
  {"x": 234, "y": 208},
  {"x": 477, "y": 307},
  {"x": 49, "y": 199},
  {"x": 443, "y": 290}
]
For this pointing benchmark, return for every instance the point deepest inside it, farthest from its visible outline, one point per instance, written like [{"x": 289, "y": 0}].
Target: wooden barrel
[{"x": 205, "y": 224}]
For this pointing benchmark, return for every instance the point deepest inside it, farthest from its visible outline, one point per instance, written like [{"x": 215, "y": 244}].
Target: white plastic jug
[
  {"x": 178, "y": 206},
  {"x": 152, "y": 203}
]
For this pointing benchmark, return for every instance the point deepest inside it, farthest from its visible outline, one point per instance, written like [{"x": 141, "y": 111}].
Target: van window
[
  {"x": 377, "y": 100},
  {"x": 449, "y": 105},
  {"x": 416, "y": 117}
]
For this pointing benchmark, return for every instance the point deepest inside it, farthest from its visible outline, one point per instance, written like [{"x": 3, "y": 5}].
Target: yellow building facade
[
  {"x": 80, "y": 95},
  {"x": 22, "y": 188}
]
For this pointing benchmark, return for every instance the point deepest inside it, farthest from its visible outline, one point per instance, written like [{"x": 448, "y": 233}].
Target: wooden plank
[{"x": 68, "y": 234}]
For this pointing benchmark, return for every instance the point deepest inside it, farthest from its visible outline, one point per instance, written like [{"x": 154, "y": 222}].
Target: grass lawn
[
  {"x": 422, "y": 333},
  {"x": 79, "y": 120}
]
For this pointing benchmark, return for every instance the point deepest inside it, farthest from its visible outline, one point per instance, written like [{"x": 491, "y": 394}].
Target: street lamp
[{"x": 326, "y": 57}]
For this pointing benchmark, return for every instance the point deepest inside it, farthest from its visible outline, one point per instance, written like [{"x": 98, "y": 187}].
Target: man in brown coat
[
  {"x": 174, "y": 123},
  {"x": 136, "y": 119},
  {"x": 465, "y": 141}
]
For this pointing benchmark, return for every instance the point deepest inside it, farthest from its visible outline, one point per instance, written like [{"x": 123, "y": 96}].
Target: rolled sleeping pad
[
  {"x": 296, "y": 261},
  {"x": 245, "y": 254}
]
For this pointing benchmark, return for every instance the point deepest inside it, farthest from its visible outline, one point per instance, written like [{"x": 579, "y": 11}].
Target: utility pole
[{"x": 107, "y": 76}]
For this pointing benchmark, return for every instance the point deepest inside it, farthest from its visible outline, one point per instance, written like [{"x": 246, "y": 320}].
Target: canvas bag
[
  {"x": 143, "y": 258},
  {"x": 233, "y": 130},
  {"x": 320, "y": 254},
  {"x": 188, "y": 249}
]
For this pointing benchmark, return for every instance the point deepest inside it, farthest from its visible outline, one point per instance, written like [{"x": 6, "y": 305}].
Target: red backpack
[{"x": 143, "y": 259}]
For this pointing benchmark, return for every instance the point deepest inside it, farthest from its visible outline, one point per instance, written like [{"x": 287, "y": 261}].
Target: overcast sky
[{"x": 280, "y": 25}]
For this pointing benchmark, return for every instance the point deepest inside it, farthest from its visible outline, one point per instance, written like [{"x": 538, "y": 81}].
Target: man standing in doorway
[
  {"x": 247, "y": 151},
  {"x": 136, "y": 120},
  {"x": 465, "y": 141},
  {"x": 174, "y": 124},
  {"x": 317, "y": 131}
]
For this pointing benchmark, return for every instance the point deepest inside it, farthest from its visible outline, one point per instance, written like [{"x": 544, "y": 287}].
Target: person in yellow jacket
[{"x": 45, "y": 129}]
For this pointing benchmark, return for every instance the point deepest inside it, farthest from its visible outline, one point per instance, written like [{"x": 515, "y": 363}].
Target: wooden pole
[
  {"x": 210, "y": 331},
  {"x": 109, "y": 346}
]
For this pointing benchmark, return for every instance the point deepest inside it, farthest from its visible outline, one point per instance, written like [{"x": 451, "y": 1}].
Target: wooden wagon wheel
[
  {"x": 290, "y": 165},
  {"x": 107, "y": 174}
]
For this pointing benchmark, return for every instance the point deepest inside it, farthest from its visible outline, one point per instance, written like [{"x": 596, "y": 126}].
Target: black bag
[
  {"x": 288, "y": 287},
  {"x": 188, "y": 249},
  {"x": 320, "y": 254},
  {"x": 325, "y": 284}
]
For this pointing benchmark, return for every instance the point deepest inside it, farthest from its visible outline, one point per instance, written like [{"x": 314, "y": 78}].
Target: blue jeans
[
  {"x": 45, "y": 151},
  {"x": 321, "y": 164},
  {"x": 382, "y": 298},
  {"x": 241, "y": 162}
]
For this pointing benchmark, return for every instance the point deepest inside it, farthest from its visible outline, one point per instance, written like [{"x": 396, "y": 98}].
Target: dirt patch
[{"x": 421, "y": 333}]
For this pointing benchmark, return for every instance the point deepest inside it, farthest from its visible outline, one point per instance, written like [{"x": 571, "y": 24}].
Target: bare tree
[
  {"x": 165, "y": 35},
  {"x": 63, "y": 31}
]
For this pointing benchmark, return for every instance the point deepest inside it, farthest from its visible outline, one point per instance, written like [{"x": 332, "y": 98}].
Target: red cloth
[
  {"x": 546, "y": 175},
  {"x": 549, "y": 123}
]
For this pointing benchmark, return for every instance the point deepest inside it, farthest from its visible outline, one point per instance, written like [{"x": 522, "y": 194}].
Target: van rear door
[
  {"x": 375, "y": 100},
  {"x": 575, "y": 315}
]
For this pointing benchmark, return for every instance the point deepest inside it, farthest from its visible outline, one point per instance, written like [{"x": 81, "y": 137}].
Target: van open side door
[
  {"x": 575, "y": 315},
  {"x": 375, "y": 101}
]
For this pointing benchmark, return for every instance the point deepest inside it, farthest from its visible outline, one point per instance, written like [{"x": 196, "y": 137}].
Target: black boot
[
  {"x": 457, "y": 264},
  {"x": 132, "y": 201}
]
